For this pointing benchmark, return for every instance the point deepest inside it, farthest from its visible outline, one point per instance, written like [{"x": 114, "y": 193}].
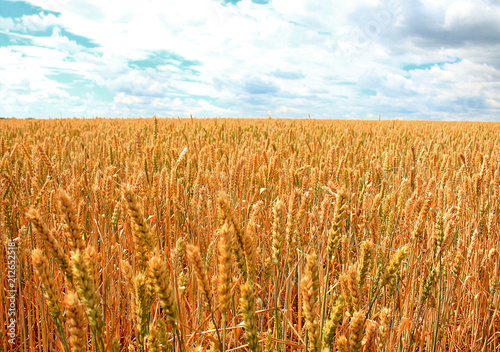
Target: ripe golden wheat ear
[{"x": 225, "y": 234}]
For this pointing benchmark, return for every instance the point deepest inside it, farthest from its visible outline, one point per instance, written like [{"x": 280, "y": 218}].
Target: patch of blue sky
[
  {"x": 47, "y": 32},
  {"x": 287, "y": 74},
  {"x": 368, "y": 92},
  {"x": 78, "y": 39},
  {"x": 16, "y": 9},
  {"x": 65, "y": 77},
  {"x": 427, "y": 66},
  {"x": 79, "y": 86},
  {"x": 162, "y": 58},
  {"x": 19, "y": 38},
  {"x": 99, "y": 93},
  {"x": 5, "y": 39},
  {"x": 11, "y": 38},
  {"x": 189, "y": 79}
]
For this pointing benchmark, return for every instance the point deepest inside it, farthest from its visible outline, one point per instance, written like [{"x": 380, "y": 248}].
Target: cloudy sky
[{"x": 250, "y": 58}]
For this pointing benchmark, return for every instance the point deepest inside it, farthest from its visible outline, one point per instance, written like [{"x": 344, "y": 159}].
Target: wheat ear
[{"x": 76, "y": 323}]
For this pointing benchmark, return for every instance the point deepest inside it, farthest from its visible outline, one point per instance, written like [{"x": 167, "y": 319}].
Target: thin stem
[
  {"x": 434, "y": 344},
  {"x": 323, "y": 303},
  {"x": 224, "y": 332},
  {"x": 216, "y": 329}
]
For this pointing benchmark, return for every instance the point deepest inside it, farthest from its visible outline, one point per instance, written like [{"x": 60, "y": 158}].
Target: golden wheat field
[{"x": 249, "y": 235}]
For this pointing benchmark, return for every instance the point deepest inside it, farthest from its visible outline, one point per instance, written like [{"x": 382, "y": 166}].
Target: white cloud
[
  {"x": 126, "y": 99},
  {"x": 287, "y": 57},
  {"x": 286, "y": 109},
  {"x": 6, "y": 23},
  {"x": 38, "y": 22},
  {"x": 467, "y": 13},
  {"x": 57, "y": 41}
]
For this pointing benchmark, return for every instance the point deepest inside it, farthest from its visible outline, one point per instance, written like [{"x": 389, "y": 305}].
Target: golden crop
[{"x": 260, "y": 235}]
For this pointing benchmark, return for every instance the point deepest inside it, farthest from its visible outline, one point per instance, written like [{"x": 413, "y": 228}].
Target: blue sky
[{"x": 250, "y": 58}]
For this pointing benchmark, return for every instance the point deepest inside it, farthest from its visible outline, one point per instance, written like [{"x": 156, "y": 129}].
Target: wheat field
[{"x": 249, "y": 235}]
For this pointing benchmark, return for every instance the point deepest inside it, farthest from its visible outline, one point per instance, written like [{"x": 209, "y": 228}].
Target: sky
[{"x": 432, "y": 60}]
